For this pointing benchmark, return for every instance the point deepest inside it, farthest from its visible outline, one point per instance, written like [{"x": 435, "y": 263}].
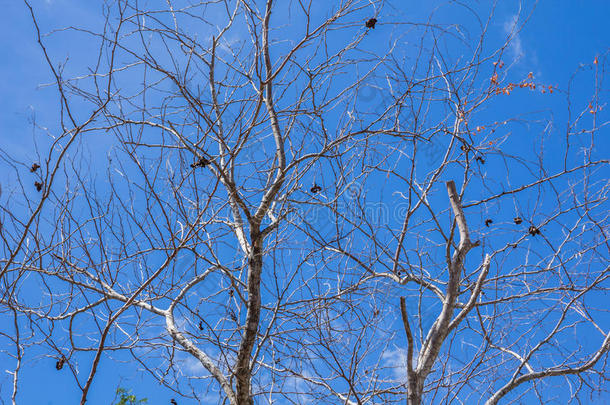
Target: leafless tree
[{"x": 256, "y": 202}]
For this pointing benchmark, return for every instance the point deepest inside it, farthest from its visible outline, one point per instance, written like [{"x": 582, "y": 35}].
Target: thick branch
[
  {"x": 440, "y": 329},
  {"x": 550, "y": 372}
]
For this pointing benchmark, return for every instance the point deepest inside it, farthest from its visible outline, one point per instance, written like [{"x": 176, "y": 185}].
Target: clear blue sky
[{"x": 560, "y": 36}]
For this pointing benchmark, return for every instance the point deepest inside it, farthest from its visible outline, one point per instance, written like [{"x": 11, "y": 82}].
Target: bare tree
[{"x": 256, "y": 202}]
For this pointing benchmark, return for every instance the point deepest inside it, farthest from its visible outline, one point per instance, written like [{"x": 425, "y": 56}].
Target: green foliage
[{"x": 127, "y": 398}]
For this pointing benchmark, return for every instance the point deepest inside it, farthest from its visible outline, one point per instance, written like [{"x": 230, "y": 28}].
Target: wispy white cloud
[
  {"x": 193, "y": 367},
  {"x": 396, "y": 360},
  {"x": 511, "y": 28}
]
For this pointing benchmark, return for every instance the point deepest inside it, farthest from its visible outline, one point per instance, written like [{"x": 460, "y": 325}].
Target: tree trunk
[{"x": 243, "y": 369}]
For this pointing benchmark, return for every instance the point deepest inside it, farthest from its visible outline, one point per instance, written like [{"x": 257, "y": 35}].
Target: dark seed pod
[
  {"x": 202, "y": 162},
  {"x": 38, "y": 185},
  {"x": 534, "y": 231},
  {"x": 315, "y": 189},
  {"x": 517, "y": 220},
  {"x": 60, "y": 363},
  {"x": 371, "y": 23},
  {"x": 35, "y": 166},
  {"x": 488, "y": 222}
]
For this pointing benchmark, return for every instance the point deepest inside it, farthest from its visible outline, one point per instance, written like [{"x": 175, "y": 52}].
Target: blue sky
[{"x": 559, "y": 37}]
